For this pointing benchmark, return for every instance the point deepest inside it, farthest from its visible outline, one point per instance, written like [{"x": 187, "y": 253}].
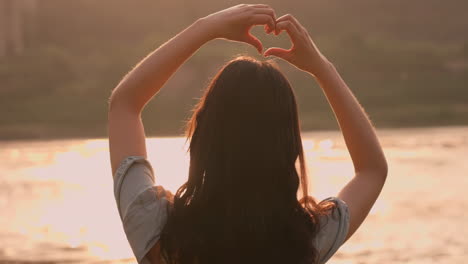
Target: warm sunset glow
[
  {"x": 64, "y": 197},
  {"x": 80, "y": 210},
  {"x": 75, "y": 73}
]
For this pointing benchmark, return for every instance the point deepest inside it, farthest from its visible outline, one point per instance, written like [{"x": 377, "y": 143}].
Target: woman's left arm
[{"x": 125, "y": 128}]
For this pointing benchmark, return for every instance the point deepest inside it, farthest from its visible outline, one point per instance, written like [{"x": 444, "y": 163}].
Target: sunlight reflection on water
[{"x": 57, "y": 202}]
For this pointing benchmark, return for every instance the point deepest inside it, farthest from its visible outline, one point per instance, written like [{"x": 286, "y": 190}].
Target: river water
[{"x": 57, "y": 204}]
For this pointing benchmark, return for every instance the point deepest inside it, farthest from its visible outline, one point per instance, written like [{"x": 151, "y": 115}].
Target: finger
[
  {"x": 268, "y": 29},
  {"x": 289, "y": 27},
  {"x": 259, "y": 5},
  {"x": 269, "y": 12},
  {"x": 250, "y": 39},
  {"x": 266, "y": 11},
  {"x": 278, "y": 52},
  {"x": 262, "y": 19},
  {"x": 292, "y": 19}
]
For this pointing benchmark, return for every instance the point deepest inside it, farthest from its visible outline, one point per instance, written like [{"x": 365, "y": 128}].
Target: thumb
[
  {"x": 250, "y": 39},
  {"x": 278, "y": 52}
]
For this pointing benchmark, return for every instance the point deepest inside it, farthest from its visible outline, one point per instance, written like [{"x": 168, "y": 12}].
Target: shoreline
[{"x": 44, "y": 134}]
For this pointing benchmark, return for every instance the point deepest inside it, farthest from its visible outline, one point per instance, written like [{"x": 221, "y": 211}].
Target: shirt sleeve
[
  {"x": 143, "y": 207},
  {"x": 334, "y": 229}
]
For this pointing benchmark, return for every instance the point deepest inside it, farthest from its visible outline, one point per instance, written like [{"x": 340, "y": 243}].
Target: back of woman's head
[{"x": 240, "y": 203}]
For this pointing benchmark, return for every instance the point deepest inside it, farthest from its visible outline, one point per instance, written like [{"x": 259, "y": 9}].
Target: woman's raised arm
[
  {"x": 126, "y": 131},
  {"x": 368, "y": 158}
]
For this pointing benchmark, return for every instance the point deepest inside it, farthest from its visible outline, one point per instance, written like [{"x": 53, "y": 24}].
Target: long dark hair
[{"x": 240, "y": 203}]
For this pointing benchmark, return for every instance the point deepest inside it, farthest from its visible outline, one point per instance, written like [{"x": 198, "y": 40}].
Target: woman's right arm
[{"x": 368, "y": 158}]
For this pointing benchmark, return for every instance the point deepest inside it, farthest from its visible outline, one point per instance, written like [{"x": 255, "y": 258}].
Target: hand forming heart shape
[{"x": 236, "y": 22}]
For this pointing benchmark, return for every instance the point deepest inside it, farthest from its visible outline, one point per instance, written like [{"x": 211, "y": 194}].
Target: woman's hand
[
  {"x": 303, "y": 54},
  {"x": 235, "y": 23}
]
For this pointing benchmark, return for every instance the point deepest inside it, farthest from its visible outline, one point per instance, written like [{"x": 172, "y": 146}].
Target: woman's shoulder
[
  {"x": 143, "y": 206},
  {"x": 334, "y": 227}
]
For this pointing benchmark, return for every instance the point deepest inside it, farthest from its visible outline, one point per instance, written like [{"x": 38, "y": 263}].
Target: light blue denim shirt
[{"x": 143, "y": 209}]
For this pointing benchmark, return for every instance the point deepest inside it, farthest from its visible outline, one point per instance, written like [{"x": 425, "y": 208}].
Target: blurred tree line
[{"x": 407, "y": 62}]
